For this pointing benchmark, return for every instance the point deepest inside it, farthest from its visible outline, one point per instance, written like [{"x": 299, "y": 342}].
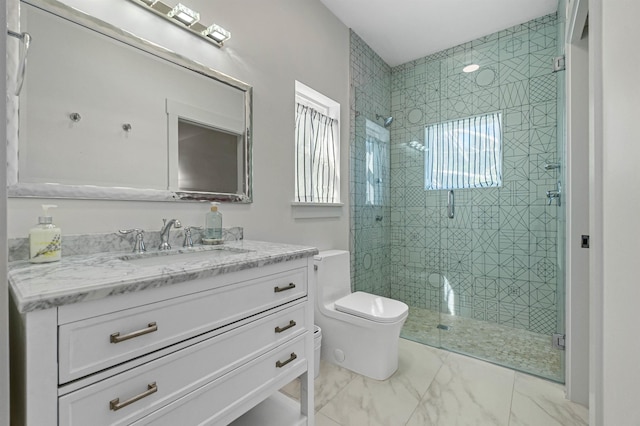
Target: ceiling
[{"x": 403, "y": 30}]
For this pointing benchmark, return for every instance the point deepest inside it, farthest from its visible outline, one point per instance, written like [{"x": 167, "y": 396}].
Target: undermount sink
[{"x": 175, "y": 257}]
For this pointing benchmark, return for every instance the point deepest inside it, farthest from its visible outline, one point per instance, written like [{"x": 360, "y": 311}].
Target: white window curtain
[
  {"x": 464, "y": 153},
  {"x": 317, "y": 157}
]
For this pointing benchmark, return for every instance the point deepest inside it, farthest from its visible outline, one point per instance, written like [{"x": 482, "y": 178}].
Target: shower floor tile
[{"x": 511, "y": 347}]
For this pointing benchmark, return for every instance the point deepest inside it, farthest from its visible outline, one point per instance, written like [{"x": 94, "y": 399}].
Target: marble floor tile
[
  {"x": 466, "y": 391},
  {"x": 322, "y": 420},
  {"x": 292, "y": 389},
  {"x": 368, "y": 402},
  {"x": 331, "y": 380},
  {"x": 417, "y": 366},
  {"x": 538, "y": 402},
  {"x": 436, "y": 387}
]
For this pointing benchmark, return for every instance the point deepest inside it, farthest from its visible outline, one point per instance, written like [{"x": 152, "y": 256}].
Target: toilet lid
[{"x": 372, "y": 307}]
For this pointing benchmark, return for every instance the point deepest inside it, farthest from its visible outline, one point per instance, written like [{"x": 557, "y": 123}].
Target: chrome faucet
[{"x": 164, "y": 232}]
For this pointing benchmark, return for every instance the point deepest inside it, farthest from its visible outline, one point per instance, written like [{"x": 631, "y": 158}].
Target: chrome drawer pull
[
  {"x": 289, "y": 287},
  {"x": 115, "y": 404},
  {"x": 280, "y": 364},
  {"x": 279, "y": 329},
  {"x": 116, "y": 338}
]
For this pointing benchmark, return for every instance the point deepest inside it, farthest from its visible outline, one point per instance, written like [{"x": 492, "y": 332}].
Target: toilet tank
[{"x": 333, "y": 279}]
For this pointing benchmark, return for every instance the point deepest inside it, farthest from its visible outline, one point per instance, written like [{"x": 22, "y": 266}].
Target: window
[
  {"x": 464, "y": 153},
  {"x": 376, "y": 163},
  {"x": 317, "y": 150}
]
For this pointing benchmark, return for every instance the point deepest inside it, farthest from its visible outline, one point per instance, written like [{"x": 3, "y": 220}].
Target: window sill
[{"x": 316, "y": 210}]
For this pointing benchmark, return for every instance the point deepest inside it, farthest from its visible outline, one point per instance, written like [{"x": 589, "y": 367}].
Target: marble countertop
[{"x": 82, "y": 278}]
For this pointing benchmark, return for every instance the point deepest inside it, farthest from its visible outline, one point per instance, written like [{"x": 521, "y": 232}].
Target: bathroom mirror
[
  {"x": 204, "y": 148},
  {"x": 107, "y": 115}
]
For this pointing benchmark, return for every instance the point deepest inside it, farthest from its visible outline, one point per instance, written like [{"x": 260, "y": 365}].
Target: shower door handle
[{"x": 451, "y": 205}]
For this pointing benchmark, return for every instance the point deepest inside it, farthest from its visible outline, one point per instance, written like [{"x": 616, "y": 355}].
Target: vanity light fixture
[
  {"x": 188, "y": 19},
  {"x": 217, "y": 33},
  {"x": 471, "y": 68},
  {"x": 183, "y": 14}
]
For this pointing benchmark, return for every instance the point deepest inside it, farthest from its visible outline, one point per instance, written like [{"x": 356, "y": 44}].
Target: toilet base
[{"x": 371, "y": 352}]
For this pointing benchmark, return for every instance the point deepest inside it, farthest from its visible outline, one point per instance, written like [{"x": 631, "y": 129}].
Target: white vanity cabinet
[{"x": 203, "y": 351}]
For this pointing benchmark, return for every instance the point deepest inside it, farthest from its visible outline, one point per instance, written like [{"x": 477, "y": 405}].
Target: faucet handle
[
  {"x": 138, "y": 246},
  {"x": 176, "y": 223},
  {"x": 188, "y": 241}
]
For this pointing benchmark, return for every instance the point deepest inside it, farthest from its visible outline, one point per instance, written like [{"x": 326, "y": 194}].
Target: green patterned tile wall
[
  {"x": 370, "y": 225},
  {"x": 497, "y": 259}
]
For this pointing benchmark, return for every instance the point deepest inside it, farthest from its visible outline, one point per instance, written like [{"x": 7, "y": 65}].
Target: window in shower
[
  {"x": 376, "y": 163},
  {"x": 317, "y": 147},
  {"x": 464, "y": 153}
]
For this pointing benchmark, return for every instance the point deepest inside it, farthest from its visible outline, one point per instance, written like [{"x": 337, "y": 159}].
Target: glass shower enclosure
[{"x": 487, "y": 282}]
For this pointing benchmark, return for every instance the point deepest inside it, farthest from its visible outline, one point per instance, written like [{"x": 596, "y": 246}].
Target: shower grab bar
[{"x": 451, "y": 204}]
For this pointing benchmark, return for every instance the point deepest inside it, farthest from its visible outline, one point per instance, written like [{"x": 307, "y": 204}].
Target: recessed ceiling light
[{"x": 471, "y": 68}]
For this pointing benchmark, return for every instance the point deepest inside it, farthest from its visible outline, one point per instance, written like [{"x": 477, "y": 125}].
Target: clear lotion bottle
[
  {"x": 45, "y": 239},
  {"x": 213, "y": 226}
]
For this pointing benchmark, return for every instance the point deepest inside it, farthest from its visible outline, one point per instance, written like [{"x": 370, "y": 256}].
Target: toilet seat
[{"x": 372, "y": 307}]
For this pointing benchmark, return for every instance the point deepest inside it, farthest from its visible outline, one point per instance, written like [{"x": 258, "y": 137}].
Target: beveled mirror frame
[{"x": 15, "y": 188}]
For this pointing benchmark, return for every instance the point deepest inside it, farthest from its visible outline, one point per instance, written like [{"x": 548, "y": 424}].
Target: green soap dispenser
[
  {"x": 45, "y": 239},
  {"x": 212, "y": 226}
]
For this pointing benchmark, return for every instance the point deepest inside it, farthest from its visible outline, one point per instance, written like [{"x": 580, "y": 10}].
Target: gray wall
[
  {"x": 614, "y": 36},
  {"x": 311, "y": 45},
  {"x": 577, "y": 302}
]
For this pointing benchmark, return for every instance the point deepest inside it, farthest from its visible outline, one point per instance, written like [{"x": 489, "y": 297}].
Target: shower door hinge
[
  {"x": 558, "y": 341},
  {"x": 559, "y": 63}
]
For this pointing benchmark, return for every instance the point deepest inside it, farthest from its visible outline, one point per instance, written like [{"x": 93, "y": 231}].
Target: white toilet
[{"x": 360, "y": 331}]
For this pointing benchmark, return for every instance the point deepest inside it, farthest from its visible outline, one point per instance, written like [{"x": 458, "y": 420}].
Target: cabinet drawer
[
  {"x": 169, "y": 378},
  {"x": 87, "y": 346},
  {"x": 223, "y": 400}
]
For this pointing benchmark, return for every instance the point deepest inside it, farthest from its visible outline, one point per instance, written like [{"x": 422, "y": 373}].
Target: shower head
[{"x": 386, "y": 120}]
